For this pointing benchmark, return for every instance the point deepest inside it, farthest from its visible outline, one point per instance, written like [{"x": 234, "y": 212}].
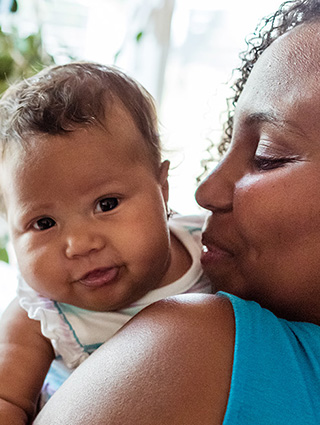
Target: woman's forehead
[
  {"x": 287, "y": 73},
  {"x": 292, "y": 55}
]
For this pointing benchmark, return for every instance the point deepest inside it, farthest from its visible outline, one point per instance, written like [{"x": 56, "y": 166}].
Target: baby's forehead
[
  {"x": 79, "y": 166},
  {"x": 115, "y": 136},
  {"x": 115, "y": 117},
  {"x": 117, "y": 114}
]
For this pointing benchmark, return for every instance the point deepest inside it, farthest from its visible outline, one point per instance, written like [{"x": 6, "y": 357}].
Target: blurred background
[{"x": 182, "y": 51}]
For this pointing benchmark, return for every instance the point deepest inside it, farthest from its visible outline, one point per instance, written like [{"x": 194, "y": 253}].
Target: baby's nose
[{"x": 83, "y": 241}]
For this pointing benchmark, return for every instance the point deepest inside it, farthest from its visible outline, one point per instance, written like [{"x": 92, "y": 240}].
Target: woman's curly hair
[{"x": 289, "y": 15}]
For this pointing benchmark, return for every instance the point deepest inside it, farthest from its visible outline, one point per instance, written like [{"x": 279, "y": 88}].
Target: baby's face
[{"x": 87, "y": 216}]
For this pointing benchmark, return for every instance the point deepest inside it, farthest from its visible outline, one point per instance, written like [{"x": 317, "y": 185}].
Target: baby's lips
[{"x": 99, "y": 277}]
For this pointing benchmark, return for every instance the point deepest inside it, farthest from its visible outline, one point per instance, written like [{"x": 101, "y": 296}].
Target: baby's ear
[
  {"x": 163, "y": 179},
  {"x": 164, "y": 171}
]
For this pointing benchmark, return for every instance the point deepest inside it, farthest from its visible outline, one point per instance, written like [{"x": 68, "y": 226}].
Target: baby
[{"x": 85, "y": 196}]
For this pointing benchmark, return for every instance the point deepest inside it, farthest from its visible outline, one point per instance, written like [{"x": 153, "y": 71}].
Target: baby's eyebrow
[{"x": 31, "y": 210}]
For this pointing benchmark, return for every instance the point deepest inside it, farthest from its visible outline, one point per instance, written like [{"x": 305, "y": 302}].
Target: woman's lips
[
  {"x": 212, "y": 254},
  {"x": 99, "y": 277}
]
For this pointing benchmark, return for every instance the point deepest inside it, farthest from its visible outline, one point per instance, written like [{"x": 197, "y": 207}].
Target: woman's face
[{"x": 262, "y": 238}]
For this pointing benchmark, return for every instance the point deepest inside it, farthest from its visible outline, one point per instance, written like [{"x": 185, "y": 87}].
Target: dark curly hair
[
  {"x": 60, "y": 99},
  {"x": 289, "y": 15}
]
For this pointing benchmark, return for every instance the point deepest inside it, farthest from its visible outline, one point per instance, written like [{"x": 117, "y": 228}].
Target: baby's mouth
[{"x": 99, "y": 277}]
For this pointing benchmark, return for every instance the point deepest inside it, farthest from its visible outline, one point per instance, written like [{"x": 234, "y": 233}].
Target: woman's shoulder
[
  {"x": 190, "y": 311},
  {"x": 275, "y": 362}
]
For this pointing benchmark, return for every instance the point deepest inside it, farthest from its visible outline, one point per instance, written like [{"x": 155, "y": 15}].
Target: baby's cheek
[
  {"x": 28, "y": 267},
  {"x": 35, "y": 267}
]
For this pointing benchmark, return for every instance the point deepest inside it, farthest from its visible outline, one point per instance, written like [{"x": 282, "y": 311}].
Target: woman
[{"x": 253, "y": 356}]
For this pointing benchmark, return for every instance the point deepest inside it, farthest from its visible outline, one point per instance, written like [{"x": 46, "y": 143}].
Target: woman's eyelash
[{"x": 269, "y": 163}]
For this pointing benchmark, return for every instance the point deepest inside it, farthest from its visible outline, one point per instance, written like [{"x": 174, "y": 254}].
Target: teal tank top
[{"x": 276, "y": 369}]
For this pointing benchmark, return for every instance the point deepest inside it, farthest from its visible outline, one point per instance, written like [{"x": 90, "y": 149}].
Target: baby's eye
[
  {"x": 107, "y": 204},
  {"x": 44, "y": 223}
]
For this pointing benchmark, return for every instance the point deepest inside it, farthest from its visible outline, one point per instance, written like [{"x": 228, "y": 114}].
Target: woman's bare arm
[
  {"x": 25, "y": 356},
  {"x": 171, "y": 364}
]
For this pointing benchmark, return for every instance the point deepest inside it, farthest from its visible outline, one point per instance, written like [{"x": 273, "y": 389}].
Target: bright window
[{"x": 184, "y": 56}]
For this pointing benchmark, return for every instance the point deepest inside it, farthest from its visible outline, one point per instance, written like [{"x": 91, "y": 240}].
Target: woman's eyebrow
[{"x": 258, "y": 118}]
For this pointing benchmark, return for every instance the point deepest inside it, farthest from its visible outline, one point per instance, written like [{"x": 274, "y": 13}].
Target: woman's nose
[
  {"x": 216, "y": 192},
  {"x": 82, "y": 241}
]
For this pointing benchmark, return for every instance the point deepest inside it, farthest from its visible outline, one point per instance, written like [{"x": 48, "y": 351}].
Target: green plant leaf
[
  {"x": 21, "y": 57},
  {"x": 4, "y": 255},
  {"x": 139, "y": 36}
]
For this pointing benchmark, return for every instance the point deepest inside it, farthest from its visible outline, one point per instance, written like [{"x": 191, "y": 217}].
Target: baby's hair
[
  {"x": 289, "y": 15},
  {"x": 60, "y": 99}
]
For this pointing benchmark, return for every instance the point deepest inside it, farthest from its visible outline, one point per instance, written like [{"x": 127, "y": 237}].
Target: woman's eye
[
  {"x": 107, "y": 204},
  {"x": 270, "y": 163},
  {"x": 44, "y": 223}
]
